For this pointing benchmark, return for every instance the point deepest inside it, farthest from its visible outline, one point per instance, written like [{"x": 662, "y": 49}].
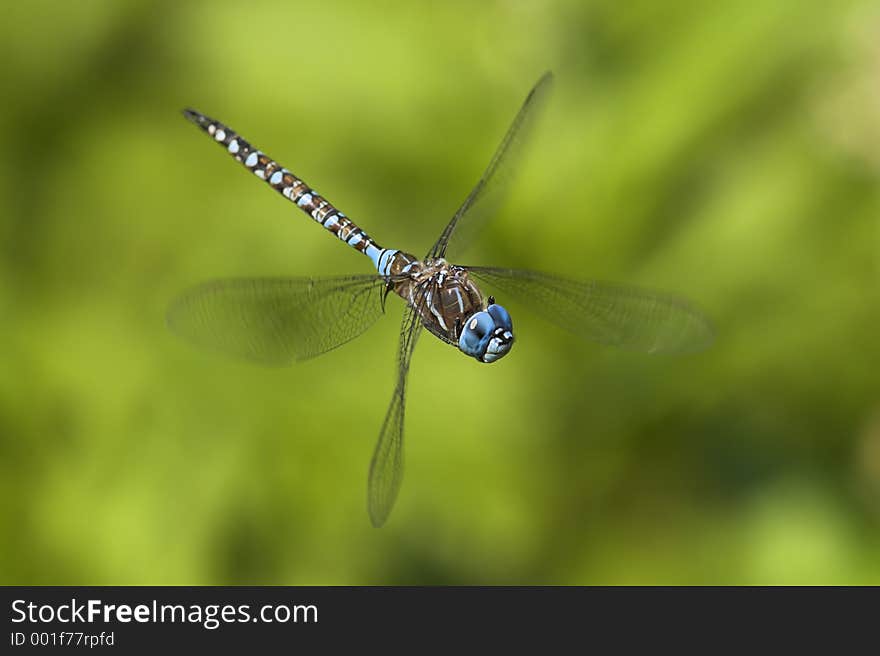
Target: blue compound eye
[
  {"x": 501, "y": 316},
  {"x": 487, "y": 335}
]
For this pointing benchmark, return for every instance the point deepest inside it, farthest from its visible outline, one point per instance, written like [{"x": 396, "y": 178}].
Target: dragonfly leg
[{"x": 388, "y": 288}]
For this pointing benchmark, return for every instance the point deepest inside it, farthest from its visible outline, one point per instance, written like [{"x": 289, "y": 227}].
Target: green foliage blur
[{"x": 728, "y": 152}]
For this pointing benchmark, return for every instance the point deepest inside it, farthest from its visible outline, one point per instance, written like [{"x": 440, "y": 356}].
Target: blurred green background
[{"x": 728, "y": 152}]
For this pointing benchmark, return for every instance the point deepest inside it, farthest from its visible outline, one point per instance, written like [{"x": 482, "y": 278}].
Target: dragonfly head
[{"x": 488, "y": 334}]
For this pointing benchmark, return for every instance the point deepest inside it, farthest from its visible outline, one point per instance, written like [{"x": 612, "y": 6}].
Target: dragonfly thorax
[{"x": 451, "y": 306}]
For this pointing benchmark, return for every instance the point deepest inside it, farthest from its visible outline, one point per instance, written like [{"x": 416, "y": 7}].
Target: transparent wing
[
  {"x": 483, "y": 201},
  {"x": 386, "y": 467},
  {"x": 608, "y": 313},
  {"x": 277, "y": 320}
]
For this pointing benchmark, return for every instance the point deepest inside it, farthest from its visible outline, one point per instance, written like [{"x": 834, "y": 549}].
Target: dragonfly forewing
[
  {"x": 607, "y": 313},
  {"x": 485, "y": 198}
]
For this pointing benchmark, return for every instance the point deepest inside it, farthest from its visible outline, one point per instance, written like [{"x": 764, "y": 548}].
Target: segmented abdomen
[{"x": 294, "y": 189}]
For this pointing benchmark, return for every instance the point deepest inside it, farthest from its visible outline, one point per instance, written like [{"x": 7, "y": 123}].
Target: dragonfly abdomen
[{"x": 293, "y": 189}]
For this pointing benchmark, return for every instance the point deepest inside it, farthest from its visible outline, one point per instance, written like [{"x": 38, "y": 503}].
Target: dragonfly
[{"x": 277, "y": 321}]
